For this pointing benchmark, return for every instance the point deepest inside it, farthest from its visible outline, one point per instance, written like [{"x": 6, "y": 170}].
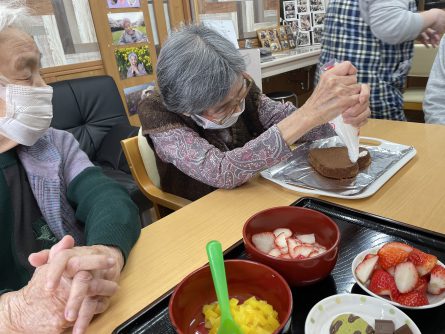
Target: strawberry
[
  {"x": 285, "y": 256},
  {"x": 424, "y": 262},
  {"x": 365, "y": 268},
  {"x": 413, "y": 298},
  {"x": 280, "y": 240},
  {"x": 393, "y": 253},
  {"x": 264, "y": 241},
  {"x": 300, "y": 252},
  {"x": 422, "y": 284},
  {"x": 275, "y": 252},
  {"x": 382, "y": 283},
  {"x": 437, "y": 281},
  {"x": 391, "y": 271},
  {"x": 306, "y": 238},
  {"x": 406, "y": 277},
  {"x": 286, "y": 231}
]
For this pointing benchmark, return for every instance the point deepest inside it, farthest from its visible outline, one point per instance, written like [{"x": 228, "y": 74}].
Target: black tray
[{"x": 359, "y": 231}]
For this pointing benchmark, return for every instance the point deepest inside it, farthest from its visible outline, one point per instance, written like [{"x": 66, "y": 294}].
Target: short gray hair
[
  {"x": 196, "y": 69},
  {"x": 14, "y": 14}
]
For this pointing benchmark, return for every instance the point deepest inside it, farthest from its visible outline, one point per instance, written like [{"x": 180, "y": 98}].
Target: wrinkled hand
[
  {"x": 429, "y": 37},
  {"x": 94, "y": 271},
  {"x": 358, "y": 114},
  {"x": 338, "y": 93}
]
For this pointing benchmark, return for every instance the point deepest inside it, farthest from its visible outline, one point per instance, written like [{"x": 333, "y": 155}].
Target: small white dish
[
  {"x": 369, "y": 308},
  {"x": 435, "y": 300}
]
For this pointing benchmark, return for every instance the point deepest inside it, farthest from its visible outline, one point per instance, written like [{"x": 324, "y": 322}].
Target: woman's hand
[
  {"x": 358, "y": 114},
  {"x": 93, "y": 271},
  {"x": 336, "y": 92}
]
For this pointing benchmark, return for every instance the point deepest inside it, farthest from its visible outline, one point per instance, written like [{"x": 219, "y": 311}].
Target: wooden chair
[{"x": 152, "y": 191}]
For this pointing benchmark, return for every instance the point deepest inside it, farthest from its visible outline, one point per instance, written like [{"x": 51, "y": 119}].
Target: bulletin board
[{"x": 123, "y": 29}]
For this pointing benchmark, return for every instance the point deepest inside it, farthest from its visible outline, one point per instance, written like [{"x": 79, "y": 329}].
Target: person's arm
[
  {"x": 391, "y": 21},
  {"x": 199, "y": 159},
  {"x": 434, "y": 101}
]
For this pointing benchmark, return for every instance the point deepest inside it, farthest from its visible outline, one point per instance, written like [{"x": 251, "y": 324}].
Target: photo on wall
[
  {"x": 303, "y": 38},
  {"x": 133, "y": 62},
  {"x": 127, "y": 28},
  {"x": 305, "y": 22},
  {"x": 289, "y": 12},
  {"x": 316, "y": 5},
  {"x": 134, "y": 94},
  {"x": 317, "y": 33},
  {"x": 123, "y": 3},
  {"x": 302, "y": 6},
  {"x": 318, "y": 18}
]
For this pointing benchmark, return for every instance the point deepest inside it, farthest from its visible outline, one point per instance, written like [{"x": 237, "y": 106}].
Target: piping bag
[{"x": 348, "y": 134}]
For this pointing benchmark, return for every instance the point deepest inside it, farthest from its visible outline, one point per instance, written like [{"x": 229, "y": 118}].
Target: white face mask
[
  {"x": 28, "y": 113},
  {"x": 207, "y": 124}
]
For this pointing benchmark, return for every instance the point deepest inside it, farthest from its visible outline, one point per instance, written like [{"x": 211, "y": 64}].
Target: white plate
[
  {"x": 435, "y": 300},
  {"x": 371, "y": 189},
  {"x": 369, "y": 308}
]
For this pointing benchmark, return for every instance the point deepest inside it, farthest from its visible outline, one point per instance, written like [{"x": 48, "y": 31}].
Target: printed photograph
[
  {"x": 135, "y": 94},
  {"x": 317, "y": 33},
  {"x": 304, "y": 22},
  {"x": 303, "y": 38},
  {"x": 123, "y": 3},
  {"x": 316, "y": 5},
  {"x": 289, "y": 13},
  {"x": 269, "y": 38},
  {"x": 318, "y": 19},
  {"x": 133, "y": 62},
  {"x": 127, "y": 28},
  {"x": 302, "y": 6}
]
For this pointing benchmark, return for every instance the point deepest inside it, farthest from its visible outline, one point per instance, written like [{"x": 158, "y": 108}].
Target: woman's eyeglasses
[{"x": 230, "y": 108}]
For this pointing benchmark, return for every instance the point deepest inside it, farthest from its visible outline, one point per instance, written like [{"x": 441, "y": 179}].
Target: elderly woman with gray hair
[
  {"x": 65, "y": 229},
  {"x": 210, "y": 125},
  {"x": 131, "y": 35}
]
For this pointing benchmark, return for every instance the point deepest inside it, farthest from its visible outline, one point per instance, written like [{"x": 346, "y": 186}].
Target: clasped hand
[{"x": 70, "y": 285}]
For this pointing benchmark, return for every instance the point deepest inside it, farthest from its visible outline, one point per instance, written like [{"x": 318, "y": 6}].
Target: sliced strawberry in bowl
[
  {"x": 264, "y": 242},
  {"x": 286, "y": 231},
  {"x": 383, "y": 284},
  {"x": 436, "y": 284},
  {"x": 424, "y": 262},
  {"x": 414, "y": 298},
  {"x": 393, "y": 253},
  {"x": 366, "y": 267},
  {"x": 406, "y": 277}
]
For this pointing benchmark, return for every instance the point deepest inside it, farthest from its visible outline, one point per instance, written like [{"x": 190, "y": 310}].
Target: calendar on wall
[{"x": 306, "y": 20}]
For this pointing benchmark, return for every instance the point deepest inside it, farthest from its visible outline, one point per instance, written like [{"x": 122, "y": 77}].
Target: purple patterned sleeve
[
  {"x": 271, "y": 112},
  {"x": 199, "y": 159}
]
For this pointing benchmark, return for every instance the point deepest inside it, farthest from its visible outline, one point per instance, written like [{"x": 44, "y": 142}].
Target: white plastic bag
[{"x": 348, "y": 134}]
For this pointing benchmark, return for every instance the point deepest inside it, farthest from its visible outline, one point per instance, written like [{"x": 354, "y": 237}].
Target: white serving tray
[{"x": 372, "y": 188}]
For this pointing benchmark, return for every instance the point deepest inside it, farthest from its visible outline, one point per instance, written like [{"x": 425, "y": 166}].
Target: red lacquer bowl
[
  {"x": 300, "y": 221},
  {"x": 244, "y": 279}
]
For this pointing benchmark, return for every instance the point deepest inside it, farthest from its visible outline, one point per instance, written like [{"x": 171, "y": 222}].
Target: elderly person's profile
[
  {"x": 131, "y": 35},
  {"x": 66, "y": 229},
  {"x": 211, "y": 127},
  {"x": 135, "y": 69}
]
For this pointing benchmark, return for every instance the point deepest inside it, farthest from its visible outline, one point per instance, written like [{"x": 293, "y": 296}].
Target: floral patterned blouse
[{"x": 196, "y": 157}]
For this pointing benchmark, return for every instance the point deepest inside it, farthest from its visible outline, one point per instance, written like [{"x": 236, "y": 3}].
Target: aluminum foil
[{"x": 298, "y": 172}]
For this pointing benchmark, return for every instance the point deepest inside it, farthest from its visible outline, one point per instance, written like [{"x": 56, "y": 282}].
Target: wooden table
[{"x": 171, "y": 248}]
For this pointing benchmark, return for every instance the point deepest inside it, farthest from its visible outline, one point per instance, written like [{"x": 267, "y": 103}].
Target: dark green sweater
[{"x": 103, "y": 206}]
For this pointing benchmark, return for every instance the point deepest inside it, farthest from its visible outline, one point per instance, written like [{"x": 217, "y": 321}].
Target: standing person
[
  {"x": 376, "y": 36},
  {"x": 434, "y": 101},
  {"x": 65, "y": 228},
  {"x": 213, "y": 128}
]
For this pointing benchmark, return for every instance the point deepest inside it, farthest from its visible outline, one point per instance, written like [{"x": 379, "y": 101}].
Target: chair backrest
[
  {"x": 130, "y": 147},
  {"x": 423, "y": 60},
  {"x": 149, "y": 159}
]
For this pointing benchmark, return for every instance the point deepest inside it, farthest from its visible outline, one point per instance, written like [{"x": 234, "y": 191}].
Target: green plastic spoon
[{"x": 216, "y": 262}]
